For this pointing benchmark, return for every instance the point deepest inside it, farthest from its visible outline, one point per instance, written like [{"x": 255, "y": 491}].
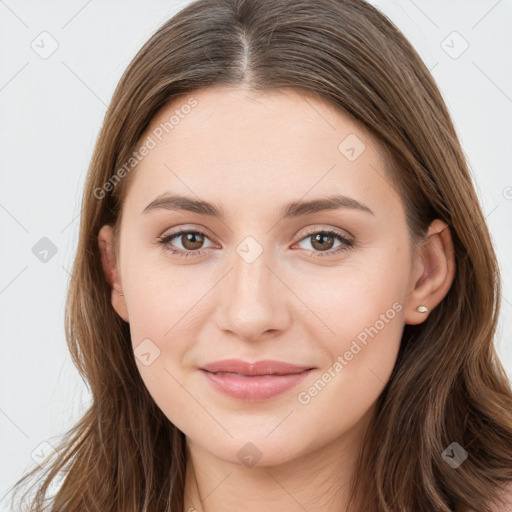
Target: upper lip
[{"x": 266, "y": 367}]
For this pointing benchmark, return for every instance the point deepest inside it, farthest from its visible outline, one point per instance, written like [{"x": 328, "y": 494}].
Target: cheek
[
  {"x": 161, "y": 295},
  {"x": 166, "y": 308},
  {"x": 345, "y": 301},
  {"x": 362, "y": 355},
  {"x": 361, "y": 307}
]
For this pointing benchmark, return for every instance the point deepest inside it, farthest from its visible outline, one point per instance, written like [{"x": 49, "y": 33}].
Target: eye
[
  {"x": 323, "y": 242},
  {"x": 191, "y": 241}
]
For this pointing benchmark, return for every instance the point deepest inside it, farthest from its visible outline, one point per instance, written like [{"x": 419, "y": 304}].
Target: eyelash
[{"x": 165, "y": 240}]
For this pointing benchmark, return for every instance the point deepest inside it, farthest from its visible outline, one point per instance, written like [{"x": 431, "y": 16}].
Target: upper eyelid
[
  {"x": 182, "y": 230},
  {"x": 315, "y": 229}
]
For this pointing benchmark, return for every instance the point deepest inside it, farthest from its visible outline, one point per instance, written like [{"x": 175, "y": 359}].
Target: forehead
[{"x": 232, "y": 145}]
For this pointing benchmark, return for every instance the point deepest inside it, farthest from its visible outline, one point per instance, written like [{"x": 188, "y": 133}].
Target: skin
[{"x": 250, "y": 154}]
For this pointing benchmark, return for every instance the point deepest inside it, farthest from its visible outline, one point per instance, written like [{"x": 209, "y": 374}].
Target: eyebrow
[{"x": 290, "y": 210}]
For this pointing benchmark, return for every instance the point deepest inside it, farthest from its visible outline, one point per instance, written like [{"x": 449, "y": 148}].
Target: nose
[{"x": 254, "y": 301}]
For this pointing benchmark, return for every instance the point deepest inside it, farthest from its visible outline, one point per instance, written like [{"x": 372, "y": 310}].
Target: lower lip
[{"x": 254, "y": 388}]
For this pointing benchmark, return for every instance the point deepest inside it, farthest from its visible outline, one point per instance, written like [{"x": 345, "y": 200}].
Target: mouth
[
  {"x": 266, "y": 367},
  {"x": 254, "y": 382}
]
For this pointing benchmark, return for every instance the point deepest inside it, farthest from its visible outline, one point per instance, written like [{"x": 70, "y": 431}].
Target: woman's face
[{"x": 261, "y": 281}]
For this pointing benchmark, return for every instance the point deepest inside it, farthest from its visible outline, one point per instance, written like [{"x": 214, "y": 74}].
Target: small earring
[{"x": 422, "y": 309}]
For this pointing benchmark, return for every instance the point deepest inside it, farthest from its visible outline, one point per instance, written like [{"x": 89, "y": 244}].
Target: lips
[
  {"x": 256, "y": 381},
  {"x": 267, "y": 367}
]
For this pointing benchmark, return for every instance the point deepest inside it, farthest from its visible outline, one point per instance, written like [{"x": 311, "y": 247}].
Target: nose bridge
[
  {"x": 252, "y": 302},
  {"x": 251, "y": 273}
]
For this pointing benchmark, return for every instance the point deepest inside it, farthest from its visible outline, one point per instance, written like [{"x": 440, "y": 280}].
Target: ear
[
  {"x": 109, "y": 264},
  {"x": 434, "y": 270}
]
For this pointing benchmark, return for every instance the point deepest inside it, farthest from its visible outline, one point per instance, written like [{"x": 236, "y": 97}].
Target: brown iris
[
  {"x": 195, "y": 240},
  {"x": 319, "y": 238}
]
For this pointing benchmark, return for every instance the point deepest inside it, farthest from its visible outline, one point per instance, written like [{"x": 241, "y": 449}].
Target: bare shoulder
[{"x": 507, "y": 497}]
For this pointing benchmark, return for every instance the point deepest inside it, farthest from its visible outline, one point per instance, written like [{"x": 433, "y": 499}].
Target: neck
[{"x": 316, "y": 481}]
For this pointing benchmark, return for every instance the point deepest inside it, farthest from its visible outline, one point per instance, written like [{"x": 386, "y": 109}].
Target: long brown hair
[{"x": 448, "y": 384}]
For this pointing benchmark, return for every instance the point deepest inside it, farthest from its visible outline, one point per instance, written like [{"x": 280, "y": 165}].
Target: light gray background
[{"x": 51, "y": 110}]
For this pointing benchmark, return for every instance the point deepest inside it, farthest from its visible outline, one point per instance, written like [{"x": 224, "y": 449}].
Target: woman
[{"x": 285, "y": 294}]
